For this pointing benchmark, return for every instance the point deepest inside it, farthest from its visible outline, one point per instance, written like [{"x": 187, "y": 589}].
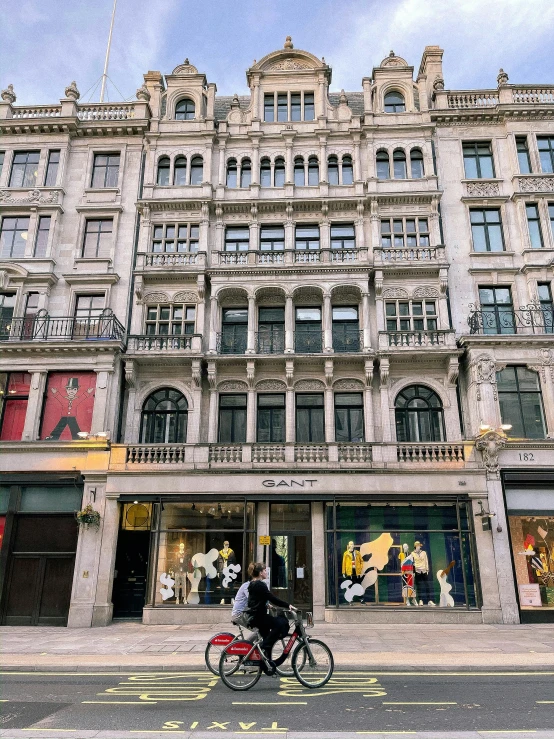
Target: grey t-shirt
[{"x": 241, "y": 599}]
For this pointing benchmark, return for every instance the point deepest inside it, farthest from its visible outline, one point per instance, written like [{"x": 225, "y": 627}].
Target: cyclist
[
  {"x": 271, "y": 628},
  {"x": 241, "y": 598}
]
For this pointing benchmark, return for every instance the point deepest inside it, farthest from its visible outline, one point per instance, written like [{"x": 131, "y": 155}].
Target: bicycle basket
[{"x": 309, "y": 620}]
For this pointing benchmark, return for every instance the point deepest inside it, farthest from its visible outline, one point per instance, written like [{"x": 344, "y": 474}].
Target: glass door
[{"x": 291, "y": 553}]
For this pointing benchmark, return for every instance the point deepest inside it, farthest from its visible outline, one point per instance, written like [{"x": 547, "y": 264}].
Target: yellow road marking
[
  {"x": 418, "y": 703},
  {"x": 31, "y": 729},
  {"x": 123, "y": 703},
  {"x": 544, "y": 701},
  {"x": 507, "y": 731},
  {"x": 352, "y": 672},
  {"x": 269, "y": 703},
  {"x": 386, "y": 732}
]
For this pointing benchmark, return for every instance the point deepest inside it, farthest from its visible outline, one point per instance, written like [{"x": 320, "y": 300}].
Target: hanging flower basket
[{"x": 88, "y": 517}]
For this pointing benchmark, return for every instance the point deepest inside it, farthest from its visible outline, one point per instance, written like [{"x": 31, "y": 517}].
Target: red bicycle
[{"x": 242, "y": 662}]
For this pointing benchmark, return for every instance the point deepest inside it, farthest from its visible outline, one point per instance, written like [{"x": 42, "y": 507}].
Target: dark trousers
[
  {"x": 424, "y": 587},
  {"x": 70, "y": 421},
  {"x": 272, "y": 628}
]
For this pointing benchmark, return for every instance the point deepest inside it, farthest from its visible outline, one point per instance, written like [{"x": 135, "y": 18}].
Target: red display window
[
  {"x": 68, "y": 405},
  {"x": 14, "y": 396}
]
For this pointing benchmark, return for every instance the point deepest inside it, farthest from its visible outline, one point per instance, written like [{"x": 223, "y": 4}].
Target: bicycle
[
  {"x": 241, "y": 662},
  {"x": 219, "y": 641}
]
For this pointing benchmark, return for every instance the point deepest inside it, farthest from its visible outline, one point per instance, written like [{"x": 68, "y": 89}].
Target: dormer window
[
  {"x": 290, "y": 106},
  {"x": 394, "y": 102},
  {"x": 185, "y": 110}
]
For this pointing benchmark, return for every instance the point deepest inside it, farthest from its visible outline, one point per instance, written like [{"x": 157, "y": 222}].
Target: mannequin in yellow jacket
[{"x": 352, "y": 564}]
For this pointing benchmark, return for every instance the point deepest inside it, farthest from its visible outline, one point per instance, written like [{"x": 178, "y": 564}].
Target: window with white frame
[
  {"x": 237, "y": 238},
  {"x": 175, "y": 237},
  {"x": 401, "y": 232},
  {"x": 170, "y": 320},
  {"x": 289, "y": 106},
  {"x": 343, "y": 236},
  {"x": 411, "y": 315},
  {"x": 272, "y": 238}
]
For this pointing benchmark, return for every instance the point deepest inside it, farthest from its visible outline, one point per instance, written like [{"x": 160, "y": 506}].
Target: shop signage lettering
[{"x": 288, "y": 484}]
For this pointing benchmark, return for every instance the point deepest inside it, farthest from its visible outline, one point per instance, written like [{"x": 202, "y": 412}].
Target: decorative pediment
[
  {"x": 289, "y": 59},
  {"x": 185, "y": 68},
  {"x": 231, "y": 386},
  {"x": 393, "y": 61}
]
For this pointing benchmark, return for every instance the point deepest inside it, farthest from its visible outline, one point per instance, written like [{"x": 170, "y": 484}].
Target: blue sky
[{"x": 48, "y": 43}]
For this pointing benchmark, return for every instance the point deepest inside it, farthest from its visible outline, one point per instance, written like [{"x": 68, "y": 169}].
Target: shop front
[
  {"x": 352, "y": 556},
  {"x": 530, "y": 510}
]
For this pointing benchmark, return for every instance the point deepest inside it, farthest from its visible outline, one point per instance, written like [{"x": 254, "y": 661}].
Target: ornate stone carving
[
  {"x": 156, "y": 298},
  {"x": 185, "y": 68},
  {"x": 536, "y": 184},
  {"x": 72, "y": 92},
  {"x": 271, "y": 386},
  {"x": 289, "y": 372},
  {"x": 394, "y": 61},
  {"x": 33, "y": 196},
  {"x": 143, "y": 94},
  {"x": 309, "y": 385},
  {"x": 231, "y": 386},
  {"x": 196, "y": 372},
  {"x": 384, "y": 371},
  {"x": 348, "y": 385},
  {"x": 288, "y": 43},
  {"x": 8, "y": 95},
  {"x": 394, "y": 292},
  {"x": 485, "y": 371},
  {"x": 426, "y": 291},
  {"x": 212, "y": 375},
  {"x": 502, "y": 78},
  {"x": 490, "y": 444},
  {"x": 438, "y": 84},
  {"x": 288, "y": 65},
  {"x": 483, "y": 189},
  {"x": 250, "y": 373},
  {"x": 453, "y": 370},
  {"x": 130, "y": 374},
  {"x": 185, "y": 297}
]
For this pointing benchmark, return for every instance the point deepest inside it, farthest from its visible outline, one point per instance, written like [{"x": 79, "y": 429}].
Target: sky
[{"x": 48, "y": 43}]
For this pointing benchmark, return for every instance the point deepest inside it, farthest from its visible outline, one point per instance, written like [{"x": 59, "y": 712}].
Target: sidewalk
[{"x": 132, "y": 646}]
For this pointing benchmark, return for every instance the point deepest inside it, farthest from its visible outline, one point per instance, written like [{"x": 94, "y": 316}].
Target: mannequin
[
  {"x": 446, "y": 600},
  {"x": 423, "y": 584},
  {"x": 181, "y": 567},
  {"x": 352, "y": 564},
  {"x": 407, "y": 569},
  {"x": 226, "y": 556}
]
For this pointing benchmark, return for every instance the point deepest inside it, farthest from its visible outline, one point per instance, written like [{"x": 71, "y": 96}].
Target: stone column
[
  {"x": 357, "y": 162},
  {"x": 251, "y": 341},
  {"x": 319, "y": 571},
  {"x": 327, "y": 324},
  {"x": 193, "y": 430},
  {"x": 329, "y": 416},
  {"x": 289, "y": 325},
  {"x": 369, "y": 422},
  {"x": 366, "y": 328},
  {"x": 290, "y": 431},
  {"x": 256, "y": 162},
  {"x": 322, "y": 159},
  {"x": 212, "y": 420},
  {"x": 482, "y": 394},
  {"x": 207, "y": 164},
  {"x": 103, "y": 607},
  {"x": 221, "y": 165},
  {"x": 31, "y": 429},
  {"x": 263, "y": 530},
  {"x": 384, "y": 391},
  {"x": 214, "y": 322},
  {"x": 101, "y": 393},
  {"x": 251, "y": 416}
]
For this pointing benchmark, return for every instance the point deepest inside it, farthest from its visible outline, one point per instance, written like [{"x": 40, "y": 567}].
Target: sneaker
[
  {"x": 420, "y": 602},
  {"x": 408, "y": 603},
  {"x": 431, "y": 603}
]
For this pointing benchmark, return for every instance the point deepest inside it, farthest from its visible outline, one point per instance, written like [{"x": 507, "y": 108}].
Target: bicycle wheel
[
  {"x": 236, "y": 674},
  {"x": 213, "y": 650},
  {"x": 315, "y": 672},
  {"x": 284, "y": 670}
]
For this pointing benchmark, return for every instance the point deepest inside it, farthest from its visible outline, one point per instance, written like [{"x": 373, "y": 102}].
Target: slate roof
[{"x": 223, "y": 103}]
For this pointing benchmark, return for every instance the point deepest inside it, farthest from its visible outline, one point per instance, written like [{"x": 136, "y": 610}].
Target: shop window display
[
  {"x": 400, "y": 555},
  {"x": 203, "y": 551},
  {"x": 533, "y": 551}
]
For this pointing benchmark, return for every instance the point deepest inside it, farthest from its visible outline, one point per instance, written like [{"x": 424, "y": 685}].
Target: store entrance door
[
  {"x": 131, "y": 560},
  {"x": 290, "y": 557}
]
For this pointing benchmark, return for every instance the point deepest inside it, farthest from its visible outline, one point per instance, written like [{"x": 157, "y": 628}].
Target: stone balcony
[
  {"x": 292, "y": 456},
  {"x": 391, "y": 257},
  {"x": 289, "y": 257},
  {"x": 542, "y": 182},
  {"x": 159, "y": 262},
  {"x": 164, "y": 345},
  {"x": 408, "y": 341}
]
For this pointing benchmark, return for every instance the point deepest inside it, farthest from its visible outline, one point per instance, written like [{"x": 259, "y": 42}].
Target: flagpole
[{"x": 105, "y": 75}]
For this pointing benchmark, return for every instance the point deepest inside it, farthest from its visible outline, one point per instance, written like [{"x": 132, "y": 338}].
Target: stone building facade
[{"x": 302, "y": 326}]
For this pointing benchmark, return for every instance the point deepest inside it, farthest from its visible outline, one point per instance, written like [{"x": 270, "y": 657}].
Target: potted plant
[{"x": 88, "y": 517}]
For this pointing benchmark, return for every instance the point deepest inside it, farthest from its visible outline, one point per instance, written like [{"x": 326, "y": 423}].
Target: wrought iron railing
[
  {"x": 537, "y": 318},
  {"x": 270, "y": 341},
  {"x": 347, "y": 338},
  {"x": 43, "y": 327},
  {"x": 308, "y": 342},
  {"x": 232, "y": 343}
]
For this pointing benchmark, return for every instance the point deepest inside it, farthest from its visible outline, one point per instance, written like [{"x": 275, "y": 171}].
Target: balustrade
[
  {"x": 155, "y": 343},
  {"x": 165, "y": 259},
  {"x": 268, "y": 453},
  {"x": 355, "y": 453},
  {"x": 430, "y": 452},
  {"x": 225, "y": 453},
  {"x": 411, "y": 339},
  {"x": 106, "y": 112},
  {"x": 311, "y": 453}
]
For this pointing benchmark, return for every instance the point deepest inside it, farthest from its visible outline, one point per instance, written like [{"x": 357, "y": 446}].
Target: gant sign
[{"x": 288, "y": 483}]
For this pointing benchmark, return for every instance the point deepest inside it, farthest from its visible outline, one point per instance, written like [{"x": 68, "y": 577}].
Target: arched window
[
  {"x": 313, "y": 171},
  {"x": 394, "y": 102},
  {"x": 196, "y": 170},
  {"x": 279, "y": 173},
  {"x": 265, "y": 173},
  {"x": 383, "y": 168},
  {"x": 333, "y": 170},
  {"x": 399, "y": 164},
  {"x": 347, "y": 170},
  {"x": 163, "y": 171},
  {"x": 184, "y": 110},
  {"x": 231, "y": 173},
  {"x": 419, "y": 415},
  {"x": 180, "y": 171},
  {"x": 416, "y": 162},
  {"x": 245, "y": 173},
  {"x": 299, "y": 178},
  {"x": 164, "y": 418}
]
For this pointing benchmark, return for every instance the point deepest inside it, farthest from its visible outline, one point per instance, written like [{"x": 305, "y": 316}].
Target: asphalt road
[{"x": 197, "y": 702}]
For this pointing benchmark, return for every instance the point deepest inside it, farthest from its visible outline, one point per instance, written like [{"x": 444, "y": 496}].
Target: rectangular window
[
  {"x": 523, "y": 157},
  {"x": 2, "y": 156},
  {"x": 105, "y": 170},
  {"x": 198, "y": 539},
  {"x": 310, "y": 418},
  {"x": 478, "y": 162},
  {"x": 486, "y": 229},
  {"x": 234, "y": 331},
  {"x": 308, "y": 338},
  {"x": 411, "y": 315},
  {"x": 272, "y": 238},
  {"x": 14, "y": 396},
  {"x": 534, "y": 224},
  {"x": 237, "y": 238},
  {"x": 98, "y": 238},
  {"x": 271, "y": 418},
  {"x": 546, "y": 152},
  {"x": 520, "y": 401},
  {"x": 41, "y": 241},
  {"x": 309, "y": 106},
  {"x": 346, "y": 329},
  {"x": 343, "y": 236},
  {"x": 547, "y": 307},
  {"x": 7, "y": 305},
  {"x": 52, "y": 169},
  {"x": 296, "y": 106},
  {"x": 28, "y": 328},
  {"x": 13, "y": 236},
  {"x": 349, "y": 417},
  {"x": 402, "y": 232},
  {"x": 306, "y": 237},
  {"x": 536, "y": 568},
  {"x": 24, "y": 169},
  {"x": 269, "y": 107},
  {"x": 497, "y": 310},
  {"x": 371, "y": 543},
  {"x": 282, "y": 107},
  {"x": 232, "y": 419},
  {"x": 271, "y": 331},
  {"x": 175, "y": 237},
  {"x": 89, "y": 306},
  {"x": 170, "y": 320}
]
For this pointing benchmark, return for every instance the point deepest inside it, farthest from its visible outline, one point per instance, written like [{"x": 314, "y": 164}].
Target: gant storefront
[{"x": 350, "y": 547}]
